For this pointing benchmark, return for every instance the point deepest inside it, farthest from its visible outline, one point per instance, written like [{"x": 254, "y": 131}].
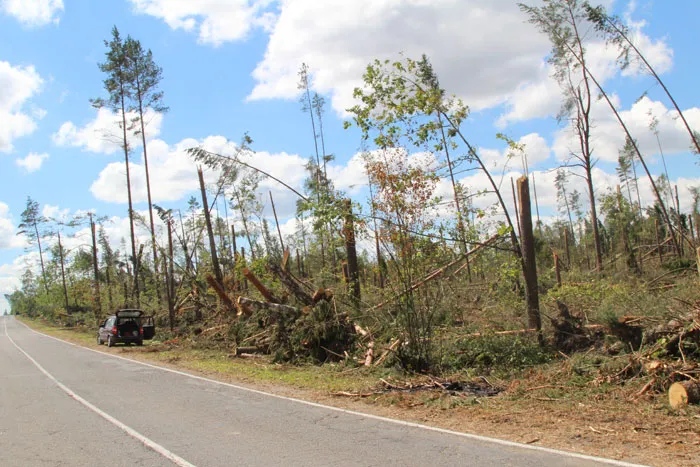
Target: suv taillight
[
  {"x": 114, "y": 330},
  {"x": 141, "y": 331}
]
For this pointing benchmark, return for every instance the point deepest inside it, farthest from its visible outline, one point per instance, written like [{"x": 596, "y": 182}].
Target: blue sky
[{"x": 230, "y": 67}]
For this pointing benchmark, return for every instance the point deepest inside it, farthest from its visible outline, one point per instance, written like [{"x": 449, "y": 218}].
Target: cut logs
[{"x": 683, "y": 393}]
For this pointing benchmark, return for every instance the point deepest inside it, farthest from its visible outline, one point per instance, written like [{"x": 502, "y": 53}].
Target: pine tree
[
  {"x": 145, "y": 76},
  {"x": 120, "y": 92},
  {"x": 31, "y": 227}
]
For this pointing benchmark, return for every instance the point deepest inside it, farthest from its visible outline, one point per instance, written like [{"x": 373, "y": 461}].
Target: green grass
[
  {"x": 80, "y": 334},
  {"x": 325, "y": 378}
]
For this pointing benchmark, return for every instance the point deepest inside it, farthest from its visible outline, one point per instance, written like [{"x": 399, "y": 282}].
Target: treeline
[{"x": 431, "y": 257}]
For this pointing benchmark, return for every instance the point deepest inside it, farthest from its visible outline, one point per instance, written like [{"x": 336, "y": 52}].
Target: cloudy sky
[{"x": 230, "y": 67}]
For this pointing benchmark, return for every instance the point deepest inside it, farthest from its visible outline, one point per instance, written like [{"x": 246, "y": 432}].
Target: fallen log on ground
[
  {"x": 370, "y": 354},
  {"x": 250, "y": 350},
  {"x": 212, "y": 329},
  {"x": 386, "y": 353},
  {"x": 247, "y": 306},
  {"x": 521, "y": 331},
  {"x": 683, "y": 393}
]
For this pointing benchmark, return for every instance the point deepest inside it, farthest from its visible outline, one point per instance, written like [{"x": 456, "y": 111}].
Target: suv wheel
[
  {"x": 139, "y": 342},
  {"x": 110, "y": 342}
]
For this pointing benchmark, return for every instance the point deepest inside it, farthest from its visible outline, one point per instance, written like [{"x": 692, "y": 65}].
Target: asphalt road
[{"x": 66, "y": 405}]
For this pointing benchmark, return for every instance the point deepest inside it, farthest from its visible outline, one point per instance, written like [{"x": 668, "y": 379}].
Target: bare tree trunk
[
  {"x": 185, "y": 248},
  {"x": 148, "y": 187},
  {"x": 691, "y": 229},
  {"x": 95, "y": 269},
  {"x": 515, "y": 204},
  {"x": 537, "y": 206},
  {"x": 171, "y": 278},
  {"x": 679, "y": 219},
  {"x": 233, "y": 242},
  {"x": 108, "y": 281},
  {"x": 380, "y": 261},
  {"x": 567, "y": 243},
  {"x": 41, "y": 258},
  {"x": 594, "y": 221},
  {"x": 353, "y": 269},
  {"x": 279, "y": 232},
  {"x": 245, "y": 225},
  {"x": 210, "y": 230},
  {"x": 658, "y": 242},
  {"x": 131, "y": 206},
  {"x": 63, "y": 270}
]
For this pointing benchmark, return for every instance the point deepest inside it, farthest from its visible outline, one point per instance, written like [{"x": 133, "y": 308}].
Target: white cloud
[
  {"x": 350, "y": 177},
  {"x": 481, "y": 50},
  {"x": 55, "y": 212},
  {"x": 215, "y": 21},
  {"x": 10, "y": 275},
  {"x": 608, "y": 137},
  {"x": 541, "y": 97},
  {"x": 172, "y": 171},
  {"x": 104, "y": 134},
  {"x": 18, "y": 85},
  {"x": 173, "y": 174},
  {"x": 32, "y": 162},
  {"x": 33, "y": 12},
  {"x": 8, "y": 236},
  {"x": 535, "y": 149}
]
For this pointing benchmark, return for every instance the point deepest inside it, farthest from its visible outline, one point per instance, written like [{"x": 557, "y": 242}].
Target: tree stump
[{"x": 683, "y": 393}]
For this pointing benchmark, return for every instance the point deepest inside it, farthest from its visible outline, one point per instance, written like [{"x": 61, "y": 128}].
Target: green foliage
[
  {"x": 494, "y": 353},
  {"x": 322, "y": 335},
  {"x": 678, "y": 264}
]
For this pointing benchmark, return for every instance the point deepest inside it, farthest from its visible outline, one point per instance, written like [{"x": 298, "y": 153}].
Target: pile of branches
[
  {"x": 664, "y": 353},
  {"x": 301, "y": 322}
]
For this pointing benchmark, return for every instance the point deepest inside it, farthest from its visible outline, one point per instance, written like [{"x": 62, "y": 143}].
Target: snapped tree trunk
[{"x": 528, "y": 248}]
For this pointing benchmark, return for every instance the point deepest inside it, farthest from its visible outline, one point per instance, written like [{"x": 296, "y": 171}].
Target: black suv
[{"x": 126, "y": 326}]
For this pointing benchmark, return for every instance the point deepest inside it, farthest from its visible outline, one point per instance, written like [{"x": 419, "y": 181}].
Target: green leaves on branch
[{"x": 397, "y": 101}]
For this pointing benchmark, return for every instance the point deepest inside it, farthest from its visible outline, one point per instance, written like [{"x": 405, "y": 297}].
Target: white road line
[
  {"x": 572, "y": 455},
  {"x": 125, "y": 428}
]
